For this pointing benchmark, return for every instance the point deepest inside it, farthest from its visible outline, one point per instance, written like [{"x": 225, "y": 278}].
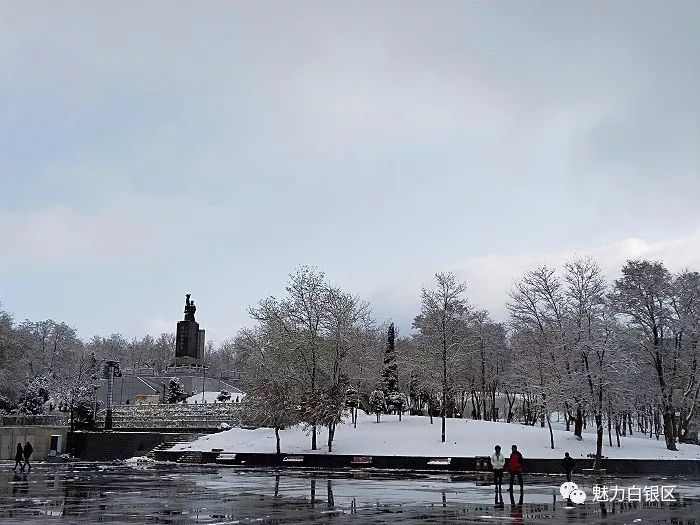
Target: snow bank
[
  {"x": 415, "y": 436},
  {"x": 211, "y": 397},
  {"x": 139, "y": 460}
]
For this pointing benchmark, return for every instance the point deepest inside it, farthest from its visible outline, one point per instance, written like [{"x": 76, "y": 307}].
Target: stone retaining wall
[{"x": 457, "y": 464}]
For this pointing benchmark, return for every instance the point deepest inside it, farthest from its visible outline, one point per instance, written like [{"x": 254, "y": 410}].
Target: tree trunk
[
  {"x": 277, "y": 438},
  {"x": 623, "y": 426},
  {"x": 444, "y": 386},
  {"x": 669, "y": 436},
  {"x": 551, "y": 434},
  {"x": 629, "y": 421},
  {"x": 331, "y": 432},
  {"x": 578, "y": 423},
  {"x": 442, "y": 417},
  {"x": 598, "y": 442}
]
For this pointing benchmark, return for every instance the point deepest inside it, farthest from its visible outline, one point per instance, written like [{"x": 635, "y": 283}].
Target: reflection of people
[
  {"x": 515, "y": 466},
  {"x": 568, "y": 465},
  {"x": 19, "y": 457},
  {"x": 27, "y": 454},
  {"x": 516, "y": 511},
  {"x": 498, "y": 461}
]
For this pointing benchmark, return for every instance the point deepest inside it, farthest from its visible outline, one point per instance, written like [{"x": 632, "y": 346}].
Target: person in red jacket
[{"x": 515, "y": 466}]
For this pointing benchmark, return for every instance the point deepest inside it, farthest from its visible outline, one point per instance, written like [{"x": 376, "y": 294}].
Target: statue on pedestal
[{"x": 190, "y": 308}]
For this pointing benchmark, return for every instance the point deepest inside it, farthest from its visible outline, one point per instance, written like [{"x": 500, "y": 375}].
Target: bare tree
[
  {"x": 443, "y": 330},
  {"x": 643, "y": 295}
]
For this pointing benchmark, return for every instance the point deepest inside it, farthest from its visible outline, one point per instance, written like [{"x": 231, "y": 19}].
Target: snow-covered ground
[
  {"x": 415, "y": 436},
  {"x": 210, "y": 397}
]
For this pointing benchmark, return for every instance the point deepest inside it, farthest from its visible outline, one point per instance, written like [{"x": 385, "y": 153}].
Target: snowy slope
[
  {"x": 210, "y": 397},
  {"x": 415, "y": 436}
]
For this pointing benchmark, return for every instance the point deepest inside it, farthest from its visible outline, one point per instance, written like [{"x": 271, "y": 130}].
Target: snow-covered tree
[
  {"x": 224, "y": 396},
  {"x": 274, "y": 405},
  {"x": 390, "y": 376},
  {"x": 537, "y": 307},
  {"x": 294, "y": 324},
  {"x": 643, "y": 296},
  {"x": 35, "y": 395},
  {"x": 344, "y": 323},
  {"x": 377, "y": 403},
  {"x": 175, "y": 392},
  {"x": 352, "y": 401},
  {"x": 443, "y": 332},
  {"x": 397, "y": 401}
]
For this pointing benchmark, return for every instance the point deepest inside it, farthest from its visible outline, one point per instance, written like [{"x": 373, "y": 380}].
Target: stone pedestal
[{"x": 189, "y": 346}]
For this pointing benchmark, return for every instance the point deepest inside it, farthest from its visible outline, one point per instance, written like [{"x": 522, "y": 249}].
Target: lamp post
[
  {"x": 112, "y": 366},
  {"x": 95, "y": 388},
  {"x": 204, "y": 375}
]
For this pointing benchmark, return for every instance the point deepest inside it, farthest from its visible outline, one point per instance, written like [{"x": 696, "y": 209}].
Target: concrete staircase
[
  {"x": 191, "y": 457},
  {"x": 171, "y": 441},
  {"x": 169, "y": 417}
]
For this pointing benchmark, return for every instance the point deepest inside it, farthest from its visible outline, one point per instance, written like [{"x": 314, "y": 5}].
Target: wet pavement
[{"x": 169, "y": 493}]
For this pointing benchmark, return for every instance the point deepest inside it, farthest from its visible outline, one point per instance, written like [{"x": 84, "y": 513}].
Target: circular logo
[
  {"x": 570, "y": 491},
  {"x": 566, "y": 489},
  {"x": 577, "y": 496}
]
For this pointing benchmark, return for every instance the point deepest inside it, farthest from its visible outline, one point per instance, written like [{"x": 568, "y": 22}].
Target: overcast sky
[{"x": 151, "y": 149}]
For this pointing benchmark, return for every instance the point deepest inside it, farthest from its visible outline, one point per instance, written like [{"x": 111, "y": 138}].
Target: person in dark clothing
[
  {"x": 27, "y": 454},
  {"x": 568, "y": 465},
  {"x": 19, "y": 457},
  {"x": 515, "y": 466}
]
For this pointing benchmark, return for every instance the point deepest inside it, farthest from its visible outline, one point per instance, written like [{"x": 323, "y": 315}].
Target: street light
[
  {"x": 112, "y": 369},
  {"x": 95, "y": 388}
]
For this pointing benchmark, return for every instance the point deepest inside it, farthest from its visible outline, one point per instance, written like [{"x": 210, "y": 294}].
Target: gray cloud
[{"x": 216, "y": 146}]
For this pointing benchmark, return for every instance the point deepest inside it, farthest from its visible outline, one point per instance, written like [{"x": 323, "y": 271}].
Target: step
[{"x": 191, "y": 457}]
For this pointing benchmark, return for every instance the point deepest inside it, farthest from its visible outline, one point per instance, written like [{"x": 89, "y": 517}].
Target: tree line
[
  {"x": 45, "y": 366},
  {"x": 621, "y": 356}
]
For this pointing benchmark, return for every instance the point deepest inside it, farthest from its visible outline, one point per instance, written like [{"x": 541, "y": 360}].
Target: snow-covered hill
[{"x": 415, "y": 436}]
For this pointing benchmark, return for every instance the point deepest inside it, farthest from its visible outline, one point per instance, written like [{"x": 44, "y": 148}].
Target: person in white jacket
[{"x": 498, "y": 463}]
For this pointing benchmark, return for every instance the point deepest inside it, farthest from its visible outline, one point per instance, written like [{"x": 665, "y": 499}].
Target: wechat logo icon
[{"x": 570, "y": 491}]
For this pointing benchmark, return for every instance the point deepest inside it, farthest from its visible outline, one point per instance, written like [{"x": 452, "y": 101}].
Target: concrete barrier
[
  {"x": 457, "y": 464},
  {"x": 105, "y": 446},
  {"x": 38, "y": 436}
]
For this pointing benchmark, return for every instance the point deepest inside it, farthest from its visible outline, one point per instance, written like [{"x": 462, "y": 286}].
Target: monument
[{"x": 189, "y": 345}]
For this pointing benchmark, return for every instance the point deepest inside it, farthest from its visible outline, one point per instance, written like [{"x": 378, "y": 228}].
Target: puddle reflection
[{"x": 168, "y": 493}]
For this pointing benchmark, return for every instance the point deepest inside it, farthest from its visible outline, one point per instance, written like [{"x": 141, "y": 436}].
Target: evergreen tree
[
  {"x": 34, "y": 397},
  {"x": 389, "y": 374},
  {"x": 176, "y": 392},
  {"x": 224, "y": 396},
  {"x": 377, "y": 403},
  {"x": 397, "y": 401}
]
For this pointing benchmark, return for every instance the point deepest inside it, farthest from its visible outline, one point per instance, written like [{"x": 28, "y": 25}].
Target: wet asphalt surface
[{"x": 169, "y": 493}]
